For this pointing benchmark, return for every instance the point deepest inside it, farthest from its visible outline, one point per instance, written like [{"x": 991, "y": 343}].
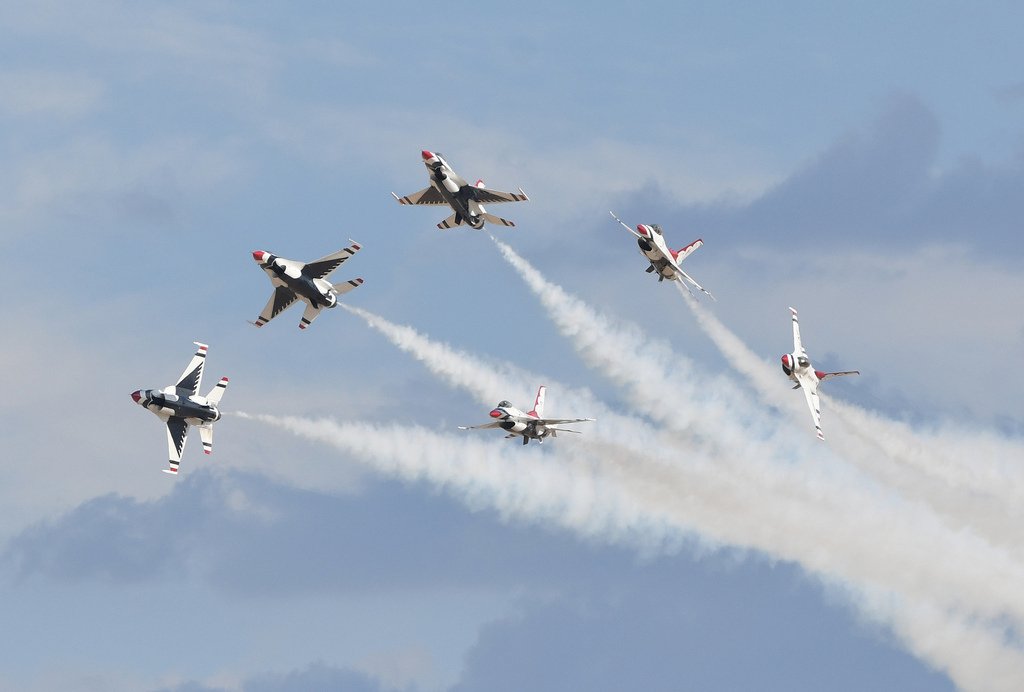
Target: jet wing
[
  {"x": 281, "y": 299},
  {"x": 493, "y": 424},
  {"x": 320, "y": 268},
  {"x": 428, "y": 195},
  {"x": 825, "y": 375},
  {"x": 798, "y": 347},
  {"x": 559, "y": 421},
  {"x": 193, "y": 375},
  {"x": 810, "y": 387},
  {"x": 624, "y": 225},
  {"x": 684, "y": 275},
  {"x": 177, "y": 431},
  {"x": 485, "y": 195}
]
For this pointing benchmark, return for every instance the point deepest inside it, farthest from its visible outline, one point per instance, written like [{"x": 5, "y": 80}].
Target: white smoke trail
[
  {"x": 687, "y": 399},
  {"x": 488, "y": 381},
  {"x": 832, "y": 526},
  {"x": 984, "y": 492},
  {"x": 669, "y": 389},
  {"x": 607, "y": 499},
  {"x": 964, "y": 495},
  {"x": 993, "y": 463},
  {"x": 601, "y": 345}
]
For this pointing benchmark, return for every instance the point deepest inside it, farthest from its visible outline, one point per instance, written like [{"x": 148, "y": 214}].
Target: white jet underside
[{"x": 657, "y": 241}]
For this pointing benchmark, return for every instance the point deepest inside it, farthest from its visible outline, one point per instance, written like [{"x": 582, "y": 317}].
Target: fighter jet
[
  {"x": 448, "y": 187},
  {"x": 294, "y": 281},
  {"x": 798, "y": 368},
  {"x": 178, "y": 406},
  {"x": 530, "y": 426},
  {"x": 664, "y": 260}
]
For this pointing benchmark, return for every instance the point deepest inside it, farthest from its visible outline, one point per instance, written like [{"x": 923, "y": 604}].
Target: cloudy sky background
[{"x": 864, "y": 164}]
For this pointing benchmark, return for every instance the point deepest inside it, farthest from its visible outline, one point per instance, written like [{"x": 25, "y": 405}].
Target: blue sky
[{"x": 864, "y": 163}]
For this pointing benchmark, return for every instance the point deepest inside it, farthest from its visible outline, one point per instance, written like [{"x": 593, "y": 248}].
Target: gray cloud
[
  {"x": 317, "y": 676},
  {"x": 664, "y": 635},
  {"x": 876, "y": 185},
  {"x": 240, "y": 532},
  {"x": 591, "y": 617}
]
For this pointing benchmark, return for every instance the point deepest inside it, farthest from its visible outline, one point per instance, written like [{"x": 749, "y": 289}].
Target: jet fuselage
[
  {"x": 177, "y": 403},
  {"x": 652, "y": 245},
  {"x": 316, "y": 292},
  {"x": 454, "y": 190},
  {"x": 514, "y": 421}
]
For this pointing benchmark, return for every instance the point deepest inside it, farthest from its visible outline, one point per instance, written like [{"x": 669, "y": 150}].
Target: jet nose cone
[
  {"x": 136, "y": 395},
  {"x": 427, "y": 155},
  {"x": 785, "y": 360},
  {"x": 496, "y": 413},
  {"x": 641, "y": 229},
  {"x": 259, "y": 255}
]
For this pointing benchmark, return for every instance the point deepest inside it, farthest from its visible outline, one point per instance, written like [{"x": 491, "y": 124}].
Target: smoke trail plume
[
  {"x": 605, "y": 496},
  {"x": 602, "y": 346},
  {"x": 985, "y": 496},
  {"x": 970, "y": 482}
]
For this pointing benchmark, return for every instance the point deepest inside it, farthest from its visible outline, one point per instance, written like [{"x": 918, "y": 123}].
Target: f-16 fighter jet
[
  {"x": 531, "y": 426},
  {"x": 178, "y": 406},
  {"x": 798, "y": 368},
  {"x": 663, "y": 259},
  {"x": 448, "y": 187},
  {"x": 297, "y": 281}
]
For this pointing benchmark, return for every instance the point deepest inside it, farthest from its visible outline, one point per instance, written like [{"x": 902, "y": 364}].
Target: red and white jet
[
  {"x": 663, "y": 259},
  {"x": 305, "y": 281},
  {"x": 180, "y": 406},
  {"x": 448, "y": 187},
  {"x": 531, "y": 425},
  {"x": 798, "y": 368}
]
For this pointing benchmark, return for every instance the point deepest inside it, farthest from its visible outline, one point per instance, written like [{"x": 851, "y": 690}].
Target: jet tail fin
[
  {"x": 206, "y": 435},
  {"x": 346, "y": 286},
  {"x": 451, "y": 222},
  {"x": 218, "y": 391},
  {"x": 538, "y": 403},
  {"x": 685, "y": 252},
  {"x": 496, "y": 219},
  {"x": 310, "y": 314}
]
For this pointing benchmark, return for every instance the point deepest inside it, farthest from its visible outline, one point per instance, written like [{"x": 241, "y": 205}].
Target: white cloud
[{"x": 97, "y": 180}]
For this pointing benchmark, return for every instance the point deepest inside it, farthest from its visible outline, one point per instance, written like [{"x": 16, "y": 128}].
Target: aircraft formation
[{"x": 180, "y": 405}]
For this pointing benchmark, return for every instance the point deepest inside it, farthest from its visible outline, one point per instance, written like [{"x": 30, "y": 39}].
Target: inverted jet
[
  {"x": 798, "y": 368},
  {"x": 179, "y": 406},
  {"x": 306, "y": 282},
  {"x": 531, "y": 425},
  {"x": 467, "y": 201},
  {"x": 664, "y": 260}
]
